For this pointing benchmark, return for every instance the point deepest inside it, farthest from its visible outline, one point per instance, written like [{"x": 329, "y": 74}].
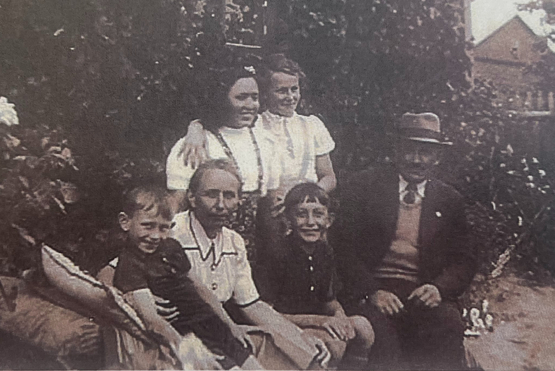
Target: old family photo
[{"x": 277, "y": 184}]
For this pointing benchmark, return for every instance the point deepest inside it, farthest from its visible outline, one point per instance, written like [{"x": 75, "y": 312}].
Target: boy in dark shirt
[
  {"x": 155, "y": 265},
  {"x": 302, "y": 276}
]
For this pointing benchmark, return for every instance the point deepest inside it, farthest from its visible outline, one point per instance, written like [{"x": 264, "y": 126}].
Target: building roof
[{"x": 488, "y": 16}]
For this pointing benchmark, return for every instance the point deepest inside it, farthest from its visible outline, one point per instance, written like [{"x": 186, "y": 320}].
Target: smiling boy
[{"x": 302, "y": 279}]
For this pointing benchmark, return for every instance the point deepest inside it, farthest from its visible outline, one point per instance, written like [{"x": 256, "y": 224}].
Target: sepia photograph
[{"x": 277, "y": 184}]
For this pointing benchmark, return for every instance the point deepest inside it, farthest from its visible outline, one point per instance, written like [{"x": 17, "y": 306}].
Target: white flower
[
  {"x": 8, "y": 115},
  {"x": 250, "y": 69},
  {"x": 542, "y": 173}
]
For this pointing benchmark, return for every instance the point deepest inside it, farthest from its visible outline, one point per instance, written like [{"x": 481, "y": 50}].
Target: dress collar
[
  {"x": 277, "y": 118},
  {"x": 421, "y": 187}
]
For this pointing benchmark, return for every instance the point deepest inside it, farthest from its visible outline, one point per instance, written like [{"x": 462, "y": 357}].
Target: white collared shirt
[
  {"x": 421, "y": 189},
  {"x": 225, "y": 269},
  {"x": 244, "y": 151},
  {"x": 298, "y": 140}
]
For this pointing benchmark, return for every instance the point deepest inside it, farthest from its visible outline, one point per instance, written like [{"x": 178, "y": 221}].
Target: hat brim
[{"x": 428, "y": 140}]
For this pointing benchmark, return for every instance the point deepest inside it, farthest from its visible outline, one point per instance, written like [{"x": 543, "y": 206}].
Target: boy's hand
[
  {"x": 164, "y": 310},
  {"x": 387, "y": 302},
  {"x": 339, "y": 328},
  {"x": 193, "y": 148},
  {"x": 426, "y": 294}
]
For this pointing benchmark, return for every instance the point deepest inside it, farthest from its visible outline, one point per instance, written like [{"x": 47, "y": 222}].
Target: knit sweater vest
[{"x": 401, "y": 260}]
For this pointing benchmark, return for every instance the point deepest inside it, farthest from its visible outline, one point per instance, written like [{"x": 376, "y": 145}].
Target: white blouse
[
  {"x": 223, "y": 268},
  {"x": 244, "y": 151},
  {"x": 298, "y": 140}
]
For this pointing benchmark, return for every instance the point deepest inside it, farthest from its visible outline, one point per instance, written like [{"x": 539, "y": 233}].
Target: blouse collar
[{"x": 204, "y": 243}]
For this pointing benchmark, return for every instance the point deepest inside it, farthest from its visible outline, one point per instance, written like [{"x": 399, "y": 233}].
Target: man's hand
[
  {"x": 339, "y": 328},
  {"x": 323, "y": 355},
  {"x": 193, "y": 148},
  {"x": 241, "y": 333},
  {"x": 387, "y": 302},
  {"x": 426, "y": 294},
  {"x": 164, "y": 309}
]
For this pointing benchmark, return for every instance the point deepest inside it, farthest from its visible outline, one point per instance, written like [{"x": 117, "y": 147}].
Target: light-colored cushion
[{"x": 104, "y": 300}]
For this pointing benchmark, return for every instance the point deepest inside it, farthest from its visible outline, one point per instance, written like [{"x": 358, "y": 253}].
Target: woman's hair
[
  {"x": 220, "y": 164},
  {"x": 278, "y": 63},
  {"x": 310, "y": 192},
  {"x": 217, "y": 107}
]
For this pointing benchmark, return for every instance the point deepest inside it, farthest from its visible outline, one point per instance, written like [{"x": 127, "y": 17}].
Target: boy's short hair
[
  {"x": 218, "y": 164},
  {"x": 146, "y": 197},
  {"x": 299, "y": 193}
]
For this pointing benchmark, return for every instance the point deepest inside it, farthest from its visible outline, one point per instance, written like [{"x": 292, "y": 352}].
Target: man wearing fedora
[{"x": 403, "y": 253}]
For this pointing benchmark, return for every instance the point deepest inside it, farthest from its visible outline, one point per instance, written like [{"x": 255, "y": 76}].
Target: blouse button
[
  {"x": 311, "y": 268},
  {"x": 213, "y": 267},
  {"x": 311, "y": 288},
  {"x": 214, "y": 286},
  {"x": 310, "y": 258}
]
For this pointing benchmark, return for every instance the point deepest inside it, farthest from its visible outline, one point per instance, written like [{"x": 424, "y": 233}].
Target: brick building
[{"x": 504, "y": 57}]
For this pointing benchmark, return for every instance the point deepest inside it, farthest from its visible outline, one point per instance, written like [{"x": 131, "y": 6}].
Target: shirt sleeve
[
  {"x": 129, "y": 275},
  {"x": 323, "y": 142},
  {"x": 177, "y": 257},
  {"x": 178, "y": 175},
  {"x": 244, "y": 292}
]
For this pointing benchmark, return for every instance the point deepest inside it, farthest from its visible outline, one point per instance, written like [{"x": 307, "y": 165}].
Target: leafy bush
[{"x": 103, "y": 89}]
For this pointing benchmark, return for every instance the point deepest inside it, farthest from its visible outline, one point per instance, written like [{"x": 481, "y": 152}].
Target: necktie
[{"x": 410, "y": 196}]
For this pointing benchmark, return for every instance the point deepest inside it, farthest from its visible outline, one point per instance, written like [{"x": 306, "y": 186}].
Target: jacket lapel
[{"x": 430, "y": 216}]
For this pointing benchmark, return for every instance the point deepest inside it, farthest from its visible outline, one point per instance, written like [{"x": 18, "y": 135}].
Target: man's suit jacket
[{"x": 367, "y": 224}]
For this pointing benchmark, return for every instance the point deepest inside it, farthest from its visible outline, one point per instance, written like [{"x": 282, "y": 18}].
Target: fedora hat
[{"x": 421, "y": 127}]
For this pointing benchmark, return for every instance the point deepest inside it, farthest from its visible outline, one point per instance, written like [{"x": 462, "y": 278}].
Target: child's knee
[{"x": 363, "y": 329}]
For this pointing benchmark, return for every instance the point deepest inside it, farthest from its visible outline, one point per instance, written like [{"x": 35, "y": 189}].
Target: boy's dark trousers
[{"x": 418, "y": 338}]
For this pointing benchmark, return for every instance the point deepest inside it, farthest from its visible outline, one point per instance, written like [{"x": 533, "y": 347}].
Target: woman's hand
[
  {"x": 339, "y": 328},
  {"x": 193, "y": 148},
  {"x": 163, "y": 308}
]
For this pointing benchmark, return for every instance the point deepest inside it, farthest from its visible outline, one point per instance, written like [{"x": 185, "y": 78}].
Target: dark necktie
[{"x": 410, "y": 196}]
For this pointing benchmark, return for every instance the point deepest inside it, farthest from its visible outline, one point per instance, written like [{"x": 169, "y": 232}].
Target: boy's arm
[
  {"x": 338, "y": 324},
  {"x": 143, "y": 303},
  {"x": 194, "y": 145},
  {"x": 325, "y": 173}
]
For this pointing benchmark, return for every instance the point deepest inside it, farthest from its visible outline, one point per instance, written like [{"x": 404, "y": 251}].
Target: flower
[
  {"x": 250, "y": 69},
  {"x": 8, "y": 115}
]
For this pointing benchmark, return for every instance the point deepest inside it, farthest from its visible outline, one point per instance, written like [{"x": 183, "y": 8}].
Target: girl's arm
[{"x": 325, "y": 173}]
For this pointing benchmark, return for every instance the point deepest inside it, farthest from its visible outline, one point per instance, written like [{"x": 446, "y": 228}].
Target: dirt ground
[{"x": 524, "y": 326}]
